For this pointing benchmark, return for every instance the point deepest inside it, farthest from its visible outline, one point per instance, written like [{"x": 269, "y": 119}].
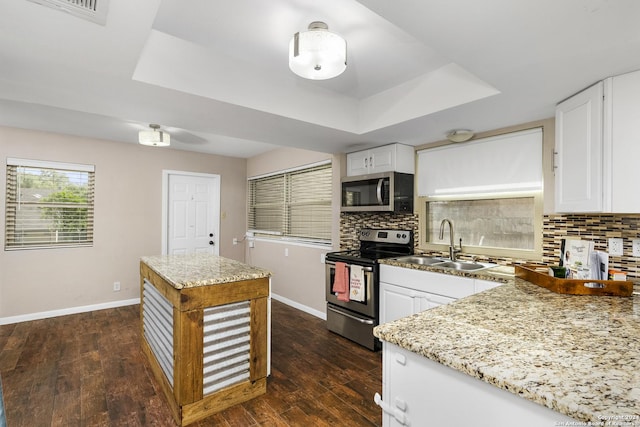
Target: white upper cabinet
[
  {"x": 622, "y": 144},
  {"x": 358, "y": 163},
  {"x": 598, "y": 148},
  {"x": 578, "y": 154},
  {"x": 388, "y": 158}
]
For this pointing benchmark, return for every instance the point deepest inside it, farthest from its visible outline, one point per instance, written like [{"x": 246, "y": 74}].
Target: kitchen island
[
  {"x": 485, "y": 358},
  {"x": 205, "y": 327}
]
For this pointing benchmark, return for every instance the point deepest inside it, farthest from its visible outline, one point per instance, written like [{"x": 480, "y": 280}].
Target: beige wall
[
  {"x": 298, "y": 277},
  {"x": 127, "y": 220}
]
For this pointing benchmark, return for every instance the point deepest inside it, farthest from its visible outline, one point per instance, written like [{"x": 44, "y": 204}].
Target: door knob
[{"x": 211, "y": 242}]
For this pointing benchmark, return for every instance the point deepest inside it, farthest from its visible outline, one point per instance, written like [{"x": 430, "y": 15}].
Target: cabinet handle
[
  {"x": 379, "y": 190},
  {"x": 398, "y": 414},
  {"x": 553, "y": 161},
  {"x": 363, "y": 321},
  {"x": 401, "y": 359},
  {"x": 367, "y": 269},
  {"x": 401, "y": 404}
]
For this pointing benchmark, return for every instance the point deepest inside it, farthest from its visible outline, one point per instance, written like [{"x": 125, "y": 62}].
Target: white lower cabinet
[
  {"x": 405, "y": 291},
  {"x": 397, "y": 302},
  {"x": 418, "y": 391}
]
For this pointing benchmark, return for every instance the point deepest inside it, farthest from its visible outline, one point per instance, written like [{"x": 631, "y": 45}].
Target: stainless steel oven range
[{"x": 354, "y": 314}]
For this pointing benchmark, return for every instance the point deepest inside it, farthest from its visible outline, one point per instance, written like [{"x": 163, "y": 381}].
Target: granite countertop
[
  {"x": 189, "y": 271},
  {"x": 578, "y": 355},
  {"x": 499, "y": 273}
]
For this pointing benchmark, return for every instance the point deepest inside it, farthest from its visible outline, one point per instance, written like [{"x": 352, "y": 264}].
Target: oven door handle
[
  {"x": 365, "y": 321},
  {"x": 364, "y": 268}
]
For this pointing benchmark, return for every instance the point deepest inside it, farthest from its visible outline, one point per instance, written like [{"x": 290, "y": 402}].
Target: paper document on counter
[
  {"x": 576, "y": 256},
  {"x": 599, "y": 265},
  {"x": 577, "y": 253}
]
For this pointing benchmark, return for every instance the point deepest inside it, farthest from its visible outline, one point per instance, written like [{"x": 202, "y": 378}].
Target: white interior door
[{"x": 192, "y": 219}]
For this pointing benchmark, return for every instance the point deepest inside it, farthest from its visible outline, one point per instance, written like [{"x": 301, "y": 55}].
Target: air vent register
[{"x": 90, "y": 10}]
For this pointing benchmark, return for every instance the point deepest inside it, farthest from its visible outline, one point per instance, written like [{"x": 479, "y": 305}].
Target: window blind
[
  {"x": 506, "y": 163},
  {"x": 48, "y": 204},
  {"x": 293, "y": 204},
  {"x": 267, "y": 204}
]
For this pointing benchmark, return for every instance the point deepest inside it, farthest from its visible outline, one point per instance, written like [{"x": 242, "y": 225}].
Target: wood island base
[{"x": 207, "y": 345}]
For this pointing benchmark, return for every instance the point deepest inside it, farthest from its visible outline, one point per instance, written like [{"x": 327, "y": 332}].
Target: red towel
[{"x": 341, "y": 281}]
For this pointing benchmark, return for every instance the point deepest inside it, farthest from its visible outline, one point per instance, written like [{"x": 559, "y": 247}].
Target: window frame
[
  {"x": 534, "y": 254},
  {"x": 544, "y": 202},
  {"x": 13, "y": 203},
  {"x": 288, "y": 203}
]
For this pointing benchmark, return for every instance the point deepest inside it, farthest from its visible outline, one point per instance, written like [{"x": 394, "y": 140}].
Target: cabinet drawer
[{"x": 426, "y": 281}]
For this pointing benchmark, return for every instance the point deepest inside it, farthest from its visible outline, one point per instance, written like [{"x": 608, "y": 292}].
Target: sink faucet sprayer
[{"x": 452, "y": 247}]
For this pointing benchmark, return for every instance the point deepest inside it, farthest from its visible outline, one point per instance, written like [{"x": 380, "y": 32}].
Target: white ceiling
[{"x": 215, "y": 74}]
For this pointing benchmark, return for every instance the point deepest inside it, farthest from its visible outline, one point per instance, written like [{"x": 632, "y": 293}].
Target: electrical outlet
[
  {"x": 116, "y": 286},
  {"x": 636, "y": 247},
  {"x": 235, "y": 241},
  {"x": 615, "y": 247}
]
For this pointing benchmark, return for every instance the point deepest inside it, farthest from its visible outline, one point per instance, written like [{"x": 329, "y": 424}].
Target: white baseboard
[
  {"x": 86, "y": 308},
  {"x": 66, "y": 311},
  {"x": 321, "y": 314}
]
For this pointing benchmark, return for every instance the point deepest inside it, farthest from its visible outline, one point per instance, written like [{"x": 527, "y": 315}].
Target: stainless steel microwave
[{"x": 380, "y": 192}]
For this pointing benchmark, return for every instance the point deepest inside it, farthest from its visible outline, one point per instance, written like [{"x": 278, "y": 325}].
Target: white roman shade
[{"x": 506, "y": 163}]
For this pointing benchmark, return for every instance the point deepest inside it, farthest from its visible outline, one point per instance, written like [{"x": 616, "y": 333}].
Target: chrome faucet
[{"x": 452, "y": 247}]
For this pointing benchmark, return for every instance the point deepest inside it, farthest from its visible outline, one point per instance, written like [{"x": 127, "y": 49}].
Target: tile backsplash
[
  {"x": 352, "y": 223},
  {"x": 595, "y": 227}
]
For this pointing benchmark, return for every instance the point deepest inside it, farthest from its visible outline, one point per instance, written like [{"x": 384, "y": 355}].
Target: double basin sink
[{"x": 447, "y": 264}]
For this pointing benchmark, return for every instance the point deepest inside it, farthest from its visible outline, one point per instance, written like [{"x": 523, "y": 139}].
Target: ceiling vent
[{"x": 91, "y": 10}]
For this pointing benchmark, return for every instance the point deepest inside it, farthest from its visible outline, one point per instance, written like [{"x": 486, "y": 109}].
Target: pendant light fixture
[
  {"x": 317, "y": 54},
  {"x": 154, "y": 137}
]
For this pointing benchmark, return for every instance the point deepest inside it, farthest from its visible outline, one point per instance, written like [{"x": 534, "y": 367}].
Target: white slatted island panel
[
  {"x": 226, "y": 346},
  {"x": 157, "y": 319}
]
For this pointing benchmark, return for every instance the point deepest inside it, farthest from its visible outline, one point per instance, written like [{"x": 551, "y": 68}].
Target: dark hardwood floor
[{"x": 88, "y": 370}]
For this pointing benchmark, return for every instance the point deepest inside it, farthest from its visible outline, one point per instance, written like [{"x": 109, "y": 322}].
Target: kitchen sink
[
  {"x": 464, "y": 265},
  {"x": 420, "y": 259},
  {"x": 437, "y": 262}
]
